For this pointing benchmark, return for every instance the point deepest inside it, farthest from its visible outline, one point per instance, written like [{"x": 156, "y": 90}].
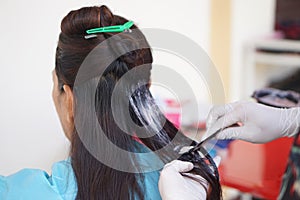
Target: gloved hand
[
  {"x": 257, "y": 123},
  {"x": 174, "y": 186}
]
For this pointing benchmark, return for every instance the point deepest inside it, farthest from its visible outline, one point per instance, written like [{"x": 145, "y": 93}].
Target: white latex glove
[
  {"x": 257, "y": 123},
  {"x": 174, "y": 186}
]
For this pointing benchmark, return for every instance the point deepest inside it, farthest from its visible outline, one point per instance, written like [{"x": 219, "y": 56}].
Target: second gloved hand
[
  {"x": 257, "y": 123},
  {"x": 173, "y": 186}
]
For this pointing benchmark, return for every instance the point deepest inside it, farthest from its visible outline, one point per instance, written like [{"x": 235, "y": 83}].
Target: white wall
[
  {"x": 30, "y": 132},
  {"x": 250, "y": 19}
]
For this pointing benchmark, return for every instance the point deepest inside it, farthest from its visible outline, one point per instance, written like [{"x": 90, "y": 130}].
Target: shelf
[
  {"x": 264, "y": 60},
  {"x": 281, "y": 60}
]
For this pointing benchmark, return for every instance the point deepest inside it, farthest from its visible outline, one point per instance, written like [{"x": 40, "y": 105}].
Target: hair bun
[{"x": 78, "y": 21}]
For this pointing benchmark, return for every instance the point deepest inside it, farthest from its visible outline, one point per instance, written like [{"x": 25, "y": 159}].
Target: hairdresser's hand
[
  {"x": 257, "y": 123},
  {"x": 173, "y": 186}
]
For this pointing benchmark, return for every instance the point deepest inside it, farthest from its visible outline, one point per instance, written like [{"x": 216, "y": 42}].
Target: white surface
[
  {"x": 278, "y": 44},
  {"x": 30, "y": 132}
]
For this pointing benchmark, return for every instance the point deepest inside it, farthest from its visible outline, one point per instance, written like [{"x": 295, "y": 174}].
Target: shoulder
[{"x": 37, "y": 184}]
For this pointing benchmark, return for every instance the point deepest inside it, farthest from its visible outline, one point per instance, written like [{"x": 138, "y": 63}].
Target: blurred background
[{"x": 253, "y": 44}]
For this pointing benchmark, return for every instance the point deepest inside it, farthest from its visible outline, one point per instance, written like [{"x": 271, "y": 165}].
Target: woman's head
[{"x": 73, "y": 48}]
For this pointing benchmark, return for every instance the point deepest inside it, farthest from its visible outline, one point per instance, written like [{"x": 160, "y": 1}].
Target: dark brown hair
[{"x": 96, "y": 180}]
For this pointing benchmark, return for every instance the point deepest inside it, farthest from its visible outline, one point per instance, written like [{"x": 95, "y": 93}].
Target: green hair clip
[{"x": 108, "y": 29}]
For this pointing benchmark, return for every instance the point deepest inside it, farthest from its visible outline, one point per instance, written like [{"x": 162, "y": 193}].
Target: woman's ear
[{"x": 69, "y": 103}]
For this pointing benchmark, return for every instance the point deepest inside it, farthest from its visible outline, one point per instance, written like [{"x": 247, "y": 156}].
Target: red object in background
[{"x": 256, "y": 168}]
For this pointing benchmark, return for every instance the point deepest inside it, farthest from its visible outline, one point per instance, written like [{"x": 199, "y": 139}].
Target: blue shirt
[{"x": 34, "y": 184}]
